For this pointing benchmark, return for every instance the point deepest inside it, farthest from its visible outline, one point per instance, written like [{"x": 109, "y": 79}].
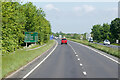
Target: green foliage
[
  {"x": 17, "y": 19},
  {"x": 68, "y": 35},
  {"x": 84, "y": 36},
  {"x": 96, "y": 32},
  {"x": 106, "y": 31},
  {"x": 59, "y": 33},
  {"x": 111, "y": 51},
  {"x": 115, "y": 29},
  {"x": 75, "y": 36},
  {"x": 12, "y": 62}
]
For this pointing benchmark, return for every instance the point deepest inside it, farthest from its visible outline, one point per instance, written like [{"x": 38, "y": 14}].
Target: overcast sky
[{"x": 78, "y": 17}]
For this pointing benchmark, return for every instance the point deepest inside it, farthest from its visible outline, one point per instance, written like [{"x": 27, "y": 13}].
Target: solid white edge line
[
  {"x": 40, "y": 62},
  {"x": 9, "y": 76},
  {"x": 97, "y": 52}
]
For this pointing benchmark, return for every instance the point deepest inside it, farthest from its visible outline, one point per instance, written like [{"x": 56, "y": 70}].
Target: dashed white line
[
  {"x": 72, "y": 49},
  {"x": 81, "y": 64},
  {"x": 78, "y": 59},
  {"x": 84, "y": 73},
  {"x": 77, "y": 55},
  {"x": 98, "y": 52}
]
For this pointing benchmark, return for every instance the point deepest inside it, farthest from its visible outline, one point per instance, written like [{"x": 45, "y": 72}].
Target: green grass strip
[
  {"x": 111, "y": 51},
  {"x": 12, "y": 62}
]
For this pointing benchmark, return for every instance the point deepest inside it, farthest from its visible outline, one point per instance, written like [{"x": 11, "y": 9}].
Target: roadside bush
[
  {"x": 108, "y": 50},
  {"x": 18, "y": 19}
]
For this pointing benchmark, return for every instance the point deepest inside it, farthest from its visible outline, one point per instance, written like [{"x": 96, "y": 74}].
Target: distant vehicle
[
  {"x": 60, "y": 36},
  {"x": 55, "y": 37},
  {"x": 106, "y": 42},
  {"x": 63, "y": 41},
  {"x": 90, "y": 39}
]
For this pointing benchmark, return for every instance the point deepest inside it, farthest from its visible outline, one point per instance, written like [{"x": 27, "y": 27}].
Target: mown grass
[
  {"x": 12, "y": 62},
  {"x": 112, "y": 51},
  {"x": 115, "y": 44}
]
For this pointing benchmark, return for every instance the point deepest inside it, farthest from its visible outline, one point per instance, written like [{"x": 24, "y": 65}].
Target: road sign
[
  {"x": 51, "y": 37},
  {"x": 31, "y": 37}
]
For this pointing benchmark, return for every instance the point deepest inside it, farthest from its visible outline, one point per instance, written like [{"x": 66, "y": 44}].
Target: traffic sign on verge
[
  {"x": 31, "y": 37},
  {"x": 51, "y": 37}
]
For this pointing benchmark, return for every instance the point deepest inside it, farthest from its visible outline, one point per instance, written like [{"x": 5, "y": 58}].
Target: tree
[
  {"x": 96, "y": 32},
  {"x": 84, "y": 36},
  {"x": 17, "y": 19},
  {"x": 105, "y": 32},
  {"x": 13, "y": 24},
  {"x": 115, "y": 29}
]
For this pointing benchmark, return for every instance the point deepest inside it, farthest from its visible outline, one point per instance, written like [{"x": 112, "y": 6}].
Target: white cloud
[
  {"x": 88, "y": 8},
  {"x": 51, "y": 7},
  {"x": 77, "y": 8},
  {"x": 113, "y": 9},
  {"x": 83, "y": 9}
]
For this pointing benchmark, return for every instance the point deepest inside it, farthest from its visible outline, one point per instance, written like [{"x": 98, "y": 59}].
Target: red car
[{"x": 63, "y": 41}]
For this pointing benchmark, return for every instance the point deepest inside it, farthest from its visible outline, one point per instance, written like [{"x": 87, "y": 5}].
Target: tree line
[
  {"x": 18, "y": 19},
  {"x": 107, "y": 31},
  {"x": 99, "y": 32},
  {"x": 70, "y": 35}
]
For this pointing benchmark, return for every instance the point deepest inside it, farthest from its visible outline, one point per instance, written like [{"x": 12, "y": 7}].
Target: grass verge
[
  {"x": 35, "y": 46},
  {"x": 111, "y": 51},
  {"x": 115, "y": 44},
  {"x": 12, "y": 62}
]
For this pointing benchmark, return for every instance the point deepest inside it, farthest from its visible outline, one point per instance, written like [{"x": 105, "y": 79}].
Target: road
[{"x": 75, "y": 61}]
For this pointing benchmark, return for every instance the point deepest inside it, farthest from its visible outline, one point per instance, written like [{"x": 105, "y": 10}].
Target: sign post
[
  {"x": 26, "y": 44},
  {"x": 31, "y": 37}
]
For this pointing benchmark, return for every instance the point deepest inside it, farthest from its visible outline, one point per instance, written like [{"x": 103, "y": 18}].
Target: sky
[{"x": 78, "y": 17}]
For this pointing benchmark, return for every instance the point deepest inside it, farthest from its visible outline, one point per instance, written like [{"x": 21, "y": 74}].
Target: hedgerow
[{"x": 18, "y": 19}]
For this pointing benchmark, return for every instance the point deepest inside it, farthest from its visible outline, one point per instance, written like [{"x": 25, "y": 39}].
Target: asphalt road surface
[{"x": 76, "y": 61}]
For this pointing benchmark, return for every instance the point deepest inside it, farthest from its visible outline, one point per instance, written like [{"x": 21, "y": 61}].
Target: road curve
[
  {"x": 75, "y": 61},
  {"x": 62, "y": 63},
  {"x": 72, "y": 61}
]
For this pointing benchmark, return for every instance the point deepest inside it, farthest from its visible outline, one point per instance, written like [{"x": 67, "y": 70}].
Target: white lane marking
[
  {"x": 77, "y": 55},
  {"x": 78, "y": 59},
  {"x": 98, "y": 52},
  {"x": 24, "y": 66},
  {"x": 81, "y": 64},
  {"x": 40, "y": 62},
  {"x": 72, "y": 49},
  {"x": 84, "y": 73}
]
